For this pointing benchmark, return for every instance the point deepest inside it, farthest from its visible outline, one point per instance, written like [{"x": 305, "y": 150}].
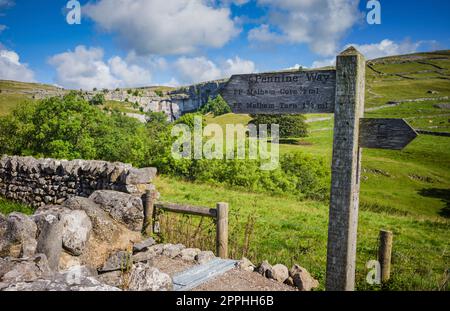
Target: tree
[
  {"x": 98, "y": 99},
  {"x": 217, "y": 106},
  {"x": 71, "y": 128},
  {"x": 290, "y": 125},
  {"x": 189, "y": 120}
]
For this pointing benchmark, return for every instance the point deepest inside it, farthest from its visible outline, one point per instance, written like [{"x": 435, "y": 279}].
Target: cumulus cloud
[
  {"x": 199, "y": 69},
  {"x": 237, "y": 66},
  {"x": 12, "y": 69},
  {"x": 164, "y": 26},
  {"x": 264, "y": 34},
  {"x": 383, "y": 48},
  {"x": 318, "y": 23},
  {"x": 84, "y": 68},
  {"x": 324, "y": 63}
]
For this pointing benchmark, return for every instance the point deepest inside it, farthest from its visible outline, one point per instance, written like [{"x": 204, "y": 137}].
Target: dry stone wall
[{"x": 38, "y": 182}]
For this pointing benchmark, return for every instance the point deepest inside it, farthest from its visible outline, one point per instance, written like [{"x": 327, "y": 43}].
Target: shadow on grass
[{"x": 442, "y": 194}]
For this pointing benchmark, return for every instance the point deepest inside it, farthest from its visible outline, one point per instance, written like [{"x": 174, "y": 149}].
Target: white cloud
[
  {"x": 264, "y": 34},
  {"x": 383, "y": 48},
  {"x": 12, "y": 69},
  {"x": 164, "y": 26},
  {"x": 387, "y": 48},
  {"x": 319, "y": 23},
  {"x": 85, "y": 68},
  {"x": 196, "y": 69},
  {"x": 129, "y": 75},
  {"x": 200, "y": 69},
  {"x": 237, "y": 66},
  {"x": 324, "y": 63},
  {"x": 296, "y": 67}
]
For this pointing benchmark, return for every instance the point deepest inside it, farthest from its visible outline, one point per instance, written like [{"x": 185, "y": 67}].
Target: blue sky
[{"x": 126, "y": 43}]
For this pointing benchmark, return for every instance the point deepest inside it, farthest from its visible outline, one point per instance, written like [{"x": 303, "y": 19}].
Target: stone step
[{"x": 200, "y": 274}]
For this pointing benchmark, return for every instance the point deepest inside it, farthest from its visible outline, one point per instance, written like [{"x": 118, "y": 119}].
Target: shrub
[
  {"x": 290, "y": 125},
  {"x": 97, "y": 99},
  {"x": 216, "y": 106},
  {"x": 70, "y": 128},
  {"x": 188, "y": 119}
]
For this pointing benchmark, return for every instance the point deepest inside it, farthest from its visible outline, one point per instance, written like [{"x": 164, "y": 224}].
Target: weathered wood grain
[
  {"x": 394, "y": 134},
  {"x": 346, "y": 166},
  {"x": 187, "y": 209},
  {"x": 385, "y": 254},
  {"x": 222, "y": 230},
  {"x": 148, "y": 213},
  {"x": 282, "y": 92}
]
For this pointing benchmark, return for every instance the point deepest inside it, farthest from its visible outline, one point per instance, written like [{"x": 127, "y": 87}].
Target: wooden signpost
[{"x": 341, "y": 92}]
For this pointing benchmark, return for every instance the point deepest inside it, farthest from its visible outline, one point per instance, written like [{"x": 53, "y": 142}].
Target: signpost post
[{"x": 341, "y": 92}]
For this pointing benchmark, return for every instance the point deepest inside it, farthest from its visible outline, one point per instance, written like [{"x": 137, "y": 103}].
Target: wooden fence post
[
  {"x": 345, "y": 172},
  {"x": 222, "y": 230},
  {"x": 148, "y": 213},
  {"x": 385, "y": 254}
]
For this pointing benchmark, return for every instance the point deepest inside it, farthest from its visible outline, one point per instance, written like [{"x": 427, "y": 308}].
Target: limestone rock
[
  {"x": 3, "y": 224},
  {"x": 246, "y": 265},
  {"x": 107, "y": 236},
  {"x": 120, "y": 260},
  {"x": 122, "y": 207},
  {"x": 157, "y": 249},
  {"x": 264, "y": 268},
  {"x": 25, "y": 270},
  {"x": 144, "y": 245},
  {"x": 278, "y": 272},
  {"x": 140, "y": 175},
  {"x": 67, "y": 261},
  {"x": 19, "y": 238},
  {"x": 144, "y": 277},
  {"x": 188, "y": 254},
  {"x": 50, "y": 228},
  {"x": 102, "y": 224},
  {"x": 146, "y": 256},
  {"x": 76, "y": 231},
  {"x": 113, "y": 278},
  {"x": 77, "y": 278},
  {"x": 172, "y": 251},
  {"x": 302, "y": 279},
  {"x": 289, "y": 281},
  {"x": 204, "y": 257}
]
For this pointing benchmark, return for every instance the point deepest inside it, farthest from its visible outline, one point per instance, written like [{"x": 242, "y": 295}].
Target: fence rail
[{"x": 220, "y": 214}]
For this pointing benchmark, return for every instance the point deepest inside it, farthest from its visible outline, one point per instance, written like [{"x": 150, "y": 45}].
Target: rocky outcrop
[
  {"x": 19, "y": 236},
  {"x": 302, "y": 279},
  {"x": 204, "y": 257},
  {"x": 39, "y": 182},
  {"x": 144, "y": 277},
  {"x": 78, "y": 278},
  {"x": 279, "y": 273},
  {"x": 122, "y": 207}
]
